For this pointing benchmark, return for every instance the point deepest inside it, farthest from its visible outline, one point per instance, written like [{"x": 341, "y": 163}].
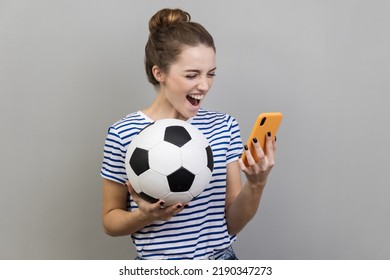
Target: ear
[{"x": 158, "y": 74}]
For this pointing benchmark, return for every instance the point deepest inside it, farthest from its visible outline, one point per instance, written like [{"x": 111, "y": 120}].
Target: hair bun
[{"x": 167, "y": 17}]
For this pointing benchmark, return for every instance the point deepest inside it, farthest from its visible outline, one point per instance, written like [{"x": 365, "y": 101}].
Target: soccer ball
[{"x": 169, "y": 160}]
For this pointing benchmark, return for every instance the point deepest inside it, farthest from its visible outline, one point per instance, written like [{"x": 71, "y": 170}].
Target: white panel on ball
[
  {"x": 194, "y": 157},
  {"x": 154, "y": 184},
  {"x": 150, "y": 137},
  {"x": 165, "y": 158},
  {"x": 133, "y": 179},
  {"x": 172, "y": 198},
  {"x": 201, "y": 180}
]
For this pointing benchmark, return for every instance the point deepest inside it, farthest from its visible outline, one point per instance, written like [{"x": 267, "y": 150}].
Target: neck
[{"x": 161, "y": 108}]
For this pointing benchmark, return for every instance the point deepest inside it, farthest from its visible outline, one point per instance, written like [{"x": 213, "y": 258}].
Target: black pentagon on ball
[
  {"x": 176, "y": 135},
  {"x": 139, "y": 161},
  {"x": 210, "y": 158},
  {"x": 181, "y": 180}
]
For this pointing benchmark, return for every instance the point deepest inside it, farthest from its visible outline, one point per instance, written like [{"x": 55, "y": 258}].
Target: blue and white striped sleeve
[
  {"x": 235, "y": 146},
  {"x": 113, "y": 166}
]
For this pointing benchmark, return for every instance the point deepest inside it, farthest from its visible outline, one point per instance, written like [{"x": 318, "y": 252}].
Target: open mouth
[{"x": 195, "y": 99}]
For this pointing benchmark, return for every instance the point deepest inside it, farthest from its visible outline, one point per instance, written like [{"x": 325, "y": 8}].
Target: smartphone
[{"x": 265, "y": 122}]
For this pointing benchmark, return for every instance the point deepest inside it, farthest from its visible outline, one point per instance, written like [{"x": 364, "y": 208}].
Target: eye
[
  {"x": 191, "y": 76},
  {"x": 211, "y": 75}
]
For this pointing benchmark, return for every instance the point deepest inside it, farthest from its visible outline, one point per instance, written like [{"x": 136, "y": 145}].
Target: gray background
[{"x": 69, "y": 69}]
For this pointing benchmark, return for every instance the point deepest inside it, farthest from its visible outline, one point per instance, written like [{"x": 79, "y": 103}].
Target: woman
[{"x": 180, "y": 64}]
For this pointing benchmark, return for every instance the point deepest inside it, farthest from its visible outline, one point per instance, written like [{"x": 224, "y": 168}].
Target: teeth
[{"x": 197, "y": 96}]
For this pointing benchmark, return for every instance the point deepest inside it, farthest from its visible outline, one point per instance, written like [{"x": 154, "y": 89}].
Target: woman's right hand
[{"x": 154, "y": 211}]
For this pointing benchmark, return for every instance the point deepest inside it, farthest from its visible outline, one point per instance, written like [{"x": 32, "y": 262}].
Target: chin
[
  {"x": 192, "y": 114},
  {"x": 187, "y": 113}
]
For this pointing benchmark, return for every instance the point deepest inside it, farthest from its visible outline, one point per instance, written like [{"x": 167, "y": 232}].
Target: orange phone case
[{"x": 265, "y": 122}]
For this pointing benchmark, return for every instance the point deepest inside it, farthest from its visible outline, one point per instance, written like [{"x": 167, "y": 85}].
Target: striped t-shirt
[{"x": 199, "y": 230}]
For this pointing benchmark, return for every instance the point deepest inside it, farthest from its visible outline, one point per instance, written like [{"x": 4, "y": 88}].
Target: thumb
[{"x": 132, "y": 192}]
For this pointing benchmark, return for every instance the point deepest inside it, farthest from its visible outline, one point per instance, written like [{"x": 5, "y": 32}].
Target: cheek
[{"x": 182, "y": 86}]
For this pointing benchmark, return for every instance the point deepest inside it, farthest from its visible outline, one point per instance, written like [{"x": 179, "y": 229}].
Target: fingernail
[
  {"x": 269, "y": 134},
  {"x": 254, "y": 140},
  {"x": 246, "y": 147}
]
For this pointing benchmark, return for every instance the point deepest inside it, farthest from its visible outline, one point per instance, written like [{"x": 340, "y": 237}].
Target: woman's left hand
[{"x": 257, "y": 172}]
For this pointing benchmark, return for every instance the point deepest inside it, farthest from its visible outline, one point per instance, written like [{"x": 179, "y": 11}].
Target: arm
[
  {"x": 242, "y": 202},
  {"x": 117, "y": 220}
]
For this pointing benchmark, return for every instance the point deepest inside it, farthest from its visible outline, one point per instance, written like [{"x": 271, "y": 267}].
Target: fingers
[
  {"x": 259, "y": 165},
  {"x": 269, "y": 148},
  {"x": 173, "y": 210},
  {"x": 258, "y": 154},
  {"x": 249, "y": 157},
  {"x": 132, "y": 192},
  {"x": 157, "y": 210},
  {"x": 128, "y": 185},
  {"x": 274, "y": 144},
  {"x": 260, "y": 158},
  {"x": 241, "y": 164},
  {"x": 258, "y": 150}
]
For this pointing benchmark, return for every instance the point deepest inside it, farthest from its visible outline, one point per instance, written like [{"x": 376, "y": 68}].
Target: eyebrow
[{"x": 198, "y": 71}]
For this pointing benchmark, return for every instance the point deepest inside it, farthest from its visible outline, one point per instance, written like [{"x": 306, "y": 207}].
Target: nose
[{"x": 204, "y": 84}]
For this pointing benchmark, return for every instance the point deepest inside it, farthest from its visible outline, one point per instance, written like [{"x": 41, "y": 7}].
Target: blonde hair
[{"x": 171, "y": 30}]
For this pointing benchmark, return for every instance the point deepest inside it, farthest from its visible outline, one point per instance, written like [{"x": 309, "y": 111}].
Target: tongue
[{"x": 193, "y": 101}]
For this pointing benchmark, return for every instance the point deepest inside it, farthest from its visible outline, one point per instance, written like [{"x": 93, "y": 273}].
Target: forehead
[{"x": 200, "y": 57}]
